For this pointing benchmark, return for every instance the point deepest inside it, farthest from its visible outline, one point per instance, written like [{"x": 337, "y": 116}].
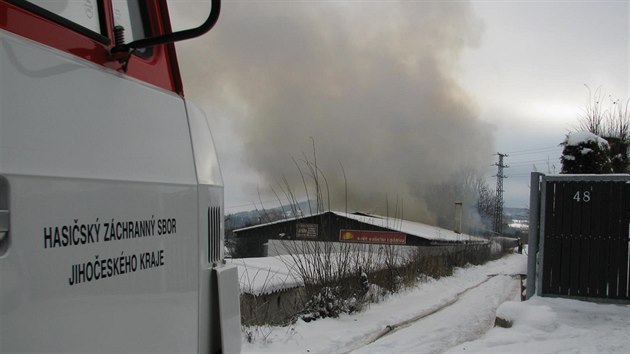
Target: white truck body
[{"x": 114, "y": 200}]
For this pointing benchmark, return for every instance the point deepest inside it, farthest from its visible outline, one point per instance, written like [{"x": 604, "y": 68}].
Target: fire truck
[{"x": 111, "y": 196}]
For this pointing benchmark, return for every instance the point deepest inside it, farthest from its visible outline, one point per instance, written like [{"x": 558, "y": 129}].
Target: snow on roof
[
  {"x": 412, "y": 228},
  {"x": 279, "y": 221},
  {"x": 577, "y": 138},
  {"x": 432, "y": 233},
  {"x": 589, "y": 177},
  {"x": 265, "y": 275}
]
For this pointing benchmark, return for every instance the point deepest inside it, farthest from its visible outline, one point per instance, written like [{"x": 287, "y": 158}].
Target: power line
[
  {"x": 524, "y": 163},
  {"x": 252, "y": 204},
  {"x": 527, "y": 162},
  {"x": 534, "y": 150}
]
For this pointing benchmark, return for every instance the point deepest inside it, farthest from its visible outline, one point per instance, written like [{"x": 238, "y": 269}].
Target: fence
[{"x": 581, "y": 223}]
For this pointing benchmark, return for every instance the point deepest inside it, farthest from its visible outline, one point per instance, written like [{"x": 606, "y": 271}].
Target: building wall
[{"x": 328, "y": 227}]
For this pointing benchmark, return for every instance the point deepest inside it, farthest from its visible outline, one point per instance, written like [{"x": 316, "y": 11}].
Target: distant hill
[
  {"x": 516, "y": 213},
  {"x": 255, "y": 217}
]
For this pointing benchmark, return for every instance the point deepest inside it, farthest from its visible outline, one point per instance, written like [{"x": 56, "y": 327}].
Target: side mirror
[{"x": 121, "y": 51}]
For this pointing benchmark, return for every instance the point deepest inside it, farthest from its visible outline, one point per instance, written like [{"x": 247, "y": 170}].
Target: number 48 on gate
[{"x": 582, "y": 196}]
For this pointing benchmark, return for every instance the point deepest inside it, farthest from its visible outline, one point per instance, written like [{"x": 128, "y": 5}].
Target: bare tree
[
  {"x": 468, "y": 187},
  {"x": 612, "y": 124},
  {"x": 593, "y": 118}
]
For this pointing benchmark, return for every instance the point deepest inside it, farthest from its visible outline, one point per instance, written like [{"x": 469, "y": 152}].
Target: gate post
[{"x": 534, "y": 226}]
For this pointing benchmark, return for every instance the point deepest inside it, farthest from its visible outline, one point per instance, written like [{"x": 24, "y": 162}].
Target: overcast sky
[
  {"x": 529, "y": 73},
  {"x": 402, "y": 94}
]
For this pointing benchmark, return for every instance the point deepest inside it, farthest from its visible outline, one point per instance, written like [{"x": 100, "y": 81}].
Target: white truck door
[{"x": 98, "y": 180}]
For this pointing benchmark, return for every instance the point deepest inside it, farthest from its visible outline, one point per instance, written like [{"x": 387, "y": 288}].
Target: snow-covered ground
[
  {"x": 265, "y": 274},
  {"x": 548, "y": 325},
  {"x": 456, "y": 314}
]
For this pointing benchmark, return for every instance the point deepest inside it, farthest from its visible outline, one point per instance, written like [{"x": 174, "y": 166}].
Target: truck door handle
[
  {"x": 4, "y": 231},
  {"x": 4, "y": 223}
]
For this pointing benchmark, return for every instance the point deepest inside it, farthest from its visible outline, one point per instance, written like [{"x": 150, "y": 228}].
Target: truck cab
[{"x": 111, "y": 196}]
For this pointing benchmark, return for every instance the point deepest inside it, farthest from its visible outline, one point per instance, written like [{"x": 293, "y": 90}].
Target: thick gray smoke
[{"x": 373, "y": 83}]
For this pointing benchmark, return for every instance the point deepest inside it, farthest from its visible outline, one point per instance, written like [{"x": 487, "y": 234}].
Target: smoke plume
[{"x": 373, "y": 83}]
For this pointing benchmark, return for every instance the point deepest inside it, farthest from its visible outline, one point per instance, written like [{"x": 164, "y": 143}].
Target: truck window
[
  {"x": 85, "y": 13},
  {"x": 130, "y": 15}
]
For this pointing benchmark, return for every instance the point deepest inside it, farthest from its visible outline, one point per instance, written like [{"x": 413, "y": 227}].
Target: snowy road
[
  {"x": 466, "y": 319},
  {"x": 455, "y": 315},
  {"x": 454, "y": 309}
]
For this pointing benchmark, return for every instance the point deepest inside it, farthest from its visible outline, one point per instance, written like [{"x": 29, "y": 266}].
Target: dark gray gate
[{"x": 584, "y": 236}]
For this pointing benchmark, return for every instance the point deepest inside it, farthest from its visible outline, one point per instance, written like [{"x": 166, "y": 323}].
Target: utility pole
[{"x": 498, "y": 207}]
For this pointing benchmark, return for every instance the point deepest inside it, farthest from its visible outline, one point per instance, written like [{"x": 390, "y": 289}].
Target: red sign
[{"x": 360, "y": 236}]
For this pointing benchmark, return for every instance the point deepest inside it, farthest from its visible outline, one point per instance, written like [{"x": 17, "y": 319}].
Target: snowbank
[
  {"x": 457, "y": 316},
  {"x": 265, "y": 275},
  {"x": 351, "y": 332},
  {"x": 552, "y": 325}
]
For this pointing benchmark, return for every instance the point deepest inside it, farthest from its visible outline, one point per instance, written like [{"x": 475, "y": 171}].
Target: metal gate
[{"x": 584, "y": 236}]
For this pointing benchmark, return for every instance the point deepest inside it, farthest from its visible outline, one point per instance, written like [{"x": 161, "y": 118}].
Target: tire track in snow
[{"x": 450, "y": 301}]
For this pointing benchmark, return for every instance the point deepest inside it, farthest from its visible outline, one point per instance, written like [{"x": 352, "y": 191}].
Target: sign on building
[
  {"x": 361, "y": 236},
  {"x": 306, "y": 231}
]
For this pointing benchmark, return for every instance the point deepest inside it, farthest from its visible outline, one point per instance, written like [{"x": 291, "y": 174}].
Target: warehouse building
[{"x": 334, "y": 226}]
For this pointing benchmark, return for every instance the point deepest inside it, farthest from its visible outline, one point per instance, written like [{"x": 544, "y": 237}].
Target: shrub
[{"x": 585, "y": 152}]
